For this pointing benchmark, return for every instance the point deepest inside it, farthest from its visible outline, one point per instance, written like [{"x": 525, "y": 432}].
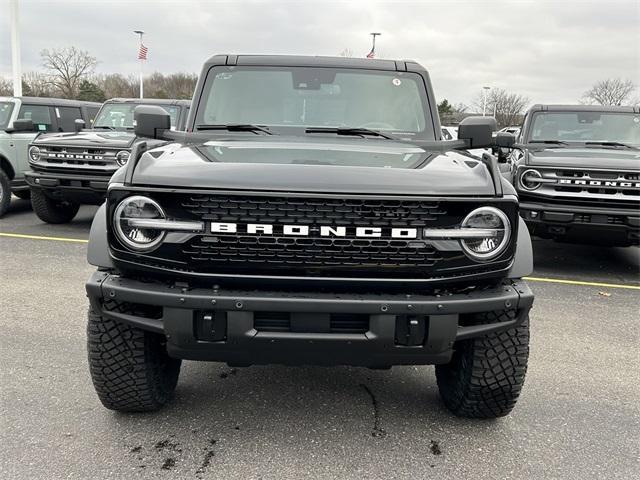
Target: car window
[
  {"x": 92, "y": 111},
  {"x": 5, "y": 114},
  {"x": 67, "y": 117},
  {"x": 40, "y": 115},
  {"x": 285, "y": 97}
]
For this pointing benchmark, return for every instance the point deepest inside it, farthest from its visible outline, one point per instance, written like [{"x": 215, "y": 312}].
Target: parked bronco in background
[
  {"x": 71, "y": 169},
  {"x": 21, "y": 119},
  {"x": 310, "y": 215},
  {"x": 577, "y": 172}
]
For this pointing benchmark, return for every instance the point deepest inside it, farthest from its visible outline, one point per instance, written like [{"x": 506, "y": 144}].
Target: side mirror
[
  {"x": 78, "y": 125},
  {"x": 150, "y": 121},
  {"x": 477, "y": 132},
  {"x": 23, "y": 125},
  {"x": 505, "y": 140}
]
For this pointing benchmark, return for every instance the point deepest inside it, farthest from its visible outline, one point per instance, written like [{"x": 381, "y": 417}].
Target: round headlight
[
  {"x": 494, "y": 239},
  {"x": 122, "y": 157},
  {"x": 527, "y": 179},
  {"x": 138, "y": 238},
  {"x": 34, "y": 153}
]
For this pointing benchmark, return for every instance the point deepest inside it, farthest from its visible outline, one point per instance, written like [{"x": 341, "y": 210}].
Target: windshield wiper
[
  {"x": 236, "y": 127},
  {"x": 612, "y": 144},
  {"x": 108, "y": 127},
  {"x": 350, "y": 131},
  {"x": 549, "y": 142}
]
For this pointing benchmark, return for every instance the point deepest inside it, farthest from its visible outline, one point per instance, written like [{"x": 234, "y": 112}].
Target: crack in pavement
[{"x": 377, "y": 430}]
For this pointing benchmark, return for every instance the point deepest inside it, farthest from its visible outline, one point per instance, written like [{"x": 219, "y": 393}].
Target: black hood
[
  {"x": 89, "y": 139},
  {"x": 432, "y": 173},
  {"x": 585, "y": 157}
]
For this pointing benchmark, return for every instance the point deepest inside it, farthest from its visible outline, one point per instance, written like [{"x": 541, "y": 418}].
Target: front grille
[
  {"x": 579, "y": 187},
  {"x": 314, "y": 255},
  {"x": 62, "y": 159}
]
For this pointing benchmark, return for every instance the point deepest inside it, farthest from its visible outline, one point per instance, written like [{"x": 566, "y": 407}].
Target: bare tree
[
  {"x": 116, "y": 85},
  {"x": 505, "y": 106},
  {"x": 347, "y": 52},
  {"x": 612, "y": 91},
  {"x": 67, "y": 68},
  {"x": 38, "y": 84},
  {"x": 6, "y": 87}
]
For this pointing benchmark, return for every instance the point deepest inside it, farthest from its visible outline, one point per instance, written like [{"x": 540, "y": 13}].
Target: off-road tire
[
  {"x": 50, "y": 210},
  {"x": 5, "y": 193},
  {"x": 486, "y": 374},
  {"x": 23, "y": 194},
  {"x": 130, "y": 368}
]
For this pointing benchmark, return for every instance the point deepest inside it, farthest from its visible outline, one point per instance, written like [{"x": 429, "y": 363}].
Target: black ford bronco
[
  {"x": 71, "y": 169},
  {"x": 311, "y": 214},
  {"x": 577, "y": 172}
]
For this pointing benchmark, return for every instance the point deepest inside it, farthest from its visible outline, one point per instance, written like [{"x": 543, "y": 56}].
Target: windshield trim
[{"x": 427, "y": 134}]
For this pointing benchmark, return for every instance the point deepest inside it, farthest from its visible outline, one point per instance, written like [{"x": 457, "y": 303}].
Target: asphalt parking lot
[{"x": 578, "y": 418}]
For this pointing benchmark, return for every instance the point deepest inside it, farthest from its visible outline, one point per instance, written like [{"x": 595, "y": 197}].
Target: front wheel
[
  {"x": 52, "y": 211},
  {"x": 486, "y": 374},
  {"x": 130, "y": 367},
  {"x": 5, "y": 193}
]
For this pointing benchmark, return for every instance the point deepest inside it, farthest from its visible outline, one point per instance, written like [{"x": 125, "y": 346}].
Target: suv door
[{"x": 43, "y": 118}]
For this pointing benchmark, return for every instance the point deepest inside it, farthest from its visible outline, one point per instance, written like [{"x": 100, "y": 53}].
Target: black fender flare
[
  {"x": 523, "y": 260},
  {"x": 98, "y": 248}
]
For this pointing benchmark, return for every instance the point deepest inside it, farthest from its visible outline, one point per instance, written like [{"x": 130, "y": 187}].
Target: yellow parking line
[
  {"x": 530, "y": 279},
  {"x": 579, "y": 282},
  {"x": 38, "y": 237}
]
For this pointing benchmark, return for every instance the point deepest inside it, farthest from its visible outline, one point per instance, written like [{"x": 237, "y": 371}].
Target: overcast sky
[{"x": 550, "y": 51}]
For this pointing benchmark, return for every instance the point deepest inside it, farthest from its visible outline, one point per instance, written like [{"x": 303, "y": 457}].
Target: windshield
[
  {"x": 586, "y": 127},
  {"x": 286, "y": 97},
  {"x": 348, "y": 153},
  {"x": 5, "y": 114},
  {"x": 120, "y": 115}
]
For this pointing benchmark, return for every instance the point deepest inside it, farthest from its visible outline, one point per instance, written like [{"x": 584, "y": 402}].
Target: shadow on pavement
[{"x": 586, "y": 262}]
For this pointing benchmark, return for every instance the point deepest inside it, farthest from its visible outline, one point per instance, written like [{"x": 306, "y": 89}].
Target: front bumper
[
  {"x": 582, "y": 224},
  {"x": 231, "y": 332},
  {"x": 83, "y": 188}
]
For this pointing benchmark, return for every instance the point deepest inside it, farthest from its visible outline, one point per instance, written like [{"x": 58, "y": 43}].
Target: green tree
[
  {"x": 445, "y": 108},
  {"x": 91, "y": 92}
]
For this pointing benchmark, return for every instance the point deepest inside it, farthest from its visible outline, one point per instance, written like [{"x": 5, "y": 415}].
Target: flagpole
[
  {"x": 141, "y": 33},
  {"x": 15, "y": 50},
  {"x": 373, "y": 46}
]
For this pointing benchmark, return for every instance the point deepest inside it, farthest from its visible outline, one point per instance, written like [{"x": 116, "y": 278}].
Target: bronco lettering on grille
[{"x": 318, "y": 231}]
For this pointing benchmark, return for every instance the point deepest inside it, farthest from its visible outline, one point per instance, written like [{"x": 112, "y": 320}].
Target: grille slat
[{"x": 312, "y": 251}]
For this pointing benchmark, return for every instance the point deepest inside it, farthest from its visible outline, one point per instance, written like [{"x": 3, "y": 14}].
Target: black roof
[
  {"x": 150, "y": 101},
  {"x": 308, "y": 61},
  {"x": 61, "y": 102},
  {"x": 584, "y": 108}
]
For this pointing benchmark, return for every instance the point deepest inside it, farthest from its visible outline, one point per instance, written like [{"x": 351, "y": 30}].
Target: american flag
[
  {"x": 372, "y": 53},
  {"x": 142, "y": 54}
]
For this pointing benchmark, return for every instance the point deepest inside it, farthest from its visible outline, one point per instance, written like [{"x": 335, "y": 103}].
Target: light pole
[
  {"x": 372, "y": 53},
  {"x": 484, "y": 103},
  {"x": 141, "y": 58},
  {"x": 15, "y": 51}
]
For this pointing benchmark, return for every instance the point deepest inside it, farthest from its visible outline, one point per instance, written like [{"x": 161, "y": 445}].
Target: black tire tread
[
  {"x": 5, "y": 185},
  {"x": 130, "y": 368},
  {"x": 486, "y": 374},
  {"x": 52, "y": 211}
]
